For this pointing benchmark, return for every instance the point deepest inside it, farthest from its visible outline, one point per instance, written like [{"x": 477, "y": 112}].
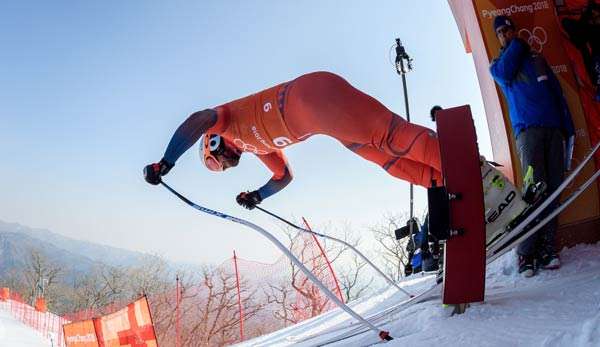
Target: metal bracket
[
  {"x": 454, "y": 196},
  {"x": 456, "y": 232}
]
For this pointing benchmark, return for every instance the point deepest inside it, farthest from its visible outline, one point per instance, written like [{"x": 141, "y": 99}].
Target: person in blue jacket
[{"x": 543, "y": 128}]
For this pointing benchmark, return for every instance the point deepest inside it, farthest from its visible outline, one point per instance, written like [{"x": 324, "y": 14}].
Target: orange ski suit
[{"x": 324, "y": 103}]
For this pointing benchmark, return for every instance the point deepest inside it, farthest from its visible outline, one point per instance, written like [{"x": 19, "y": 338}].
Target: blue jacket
[{"x": 534, "y": 95}]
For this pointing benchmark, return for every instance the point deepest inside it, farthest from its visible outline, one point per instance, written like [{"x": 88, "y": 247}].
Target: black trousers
[{"x": 544, "y": 150}]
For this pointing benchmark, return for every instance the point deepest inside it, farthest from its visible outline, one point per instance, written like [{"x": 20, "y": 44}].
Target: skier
[{"x": 316, "y": 103}]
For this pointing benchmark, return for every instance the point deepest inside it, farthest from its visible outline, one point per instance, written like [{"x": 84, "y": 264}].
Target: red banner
[
  {"x": 80, "y": 334},
  {"x": 129, "y": 327}
]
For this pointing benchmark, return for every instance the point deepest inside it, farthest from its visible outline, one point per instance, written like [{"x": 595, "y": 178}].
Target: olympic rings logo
[
  {"x": 536, "y": 38},
  {"x": 246, "y": 147}
]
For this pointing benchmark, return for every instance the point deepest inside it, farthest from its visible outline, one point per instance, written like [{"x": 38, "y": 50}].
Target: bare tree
[
  {"x": 40, "y": 276},
  {"x": 164, "y": 307},
  {"x": 151, "y": 276},
  {"x": 282, "y": 295},
  {"x": 211, "y": 310},
  {"x": 352, "y": 280},
  {"x": 393, "y": 255},
  {"x": 101, "y": 286}
]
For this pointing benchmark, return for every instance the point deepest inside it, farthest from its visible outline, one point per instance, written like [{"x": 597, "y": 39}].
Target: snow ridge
[{"x": 553, "y": 308}]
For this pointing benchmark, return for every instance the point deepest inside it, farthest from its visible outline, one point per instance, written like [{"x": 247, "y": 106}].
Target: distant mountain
[
  {"x": 73, "y": 256},
  {"x": 55, "y": 243},
  {"x": 16, "y": 249}
]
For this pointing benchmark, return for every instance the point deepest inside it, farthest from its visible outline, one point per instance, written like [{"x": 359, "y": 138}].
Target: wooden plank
[{"x": 464, "y": 255}]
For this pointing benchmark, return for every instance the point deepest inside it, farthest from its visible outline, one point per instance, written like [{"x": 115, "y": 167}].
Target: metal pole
[
  {"x": 177, "y": 317},
  {"x": 411, "y": 189},
  {"x": 237, "y": 281},
  {"x": 402, "y": 70}
]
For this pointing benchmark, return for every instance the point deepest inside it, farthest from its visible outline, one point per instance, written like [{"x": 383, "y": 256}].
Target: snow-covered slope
[
  {"x": 16, "y": 334},
  {"x": 554, "y": 308}
]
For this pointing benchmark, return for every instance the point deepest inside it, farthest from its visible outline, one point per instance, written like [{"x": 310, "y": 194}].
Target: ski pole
[
  {"x": 384, "y": 335},
  {"x": 389, "y": 280}
]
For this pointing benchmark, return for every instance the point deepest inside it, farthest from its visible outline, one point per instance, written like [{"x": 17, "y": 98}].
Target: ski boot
[
  {"x": 533, "y": 194},
  {"x": 533, "y": 191},
  {"x": 408, "y": 270}
]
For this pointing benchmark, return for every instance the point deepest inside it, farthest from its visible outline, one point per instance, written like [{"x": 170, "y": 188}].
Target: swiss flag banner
[{"x": 128, "y": 327}]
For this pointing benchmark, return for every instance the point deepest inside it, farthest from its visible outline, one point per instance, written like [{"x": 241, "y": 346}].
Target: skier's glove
[
  {"x": 154, "y": 172},
  {"x": 249, "y": 199}
]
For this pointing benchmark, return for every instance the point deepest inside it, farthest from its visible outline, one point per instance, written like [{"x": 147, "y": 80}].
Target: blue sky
[{"x": 92, "y": 91}]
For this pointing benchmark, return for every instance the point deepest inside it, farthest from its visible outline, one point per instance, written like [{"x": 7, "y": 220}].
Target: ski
[
  {"x": 519, "y": 237},
  {"x": 503, "y": 240}
]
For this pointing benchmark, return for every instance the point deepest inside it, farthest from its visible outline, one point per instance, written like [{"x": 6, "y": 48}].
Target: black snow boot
[{"x": 526, "y": 266}]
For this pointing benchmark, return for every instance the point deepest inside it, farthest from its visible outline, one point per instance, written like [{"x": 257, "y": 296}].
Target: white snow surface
[
  {"x": 553, "y": 308},
  {"x": 16, "y": 334}
]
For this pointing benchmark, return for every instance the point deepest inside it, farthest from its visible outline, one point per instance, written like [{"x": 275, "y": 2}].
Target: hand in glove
[
  {"x": 154, "y": 172},
  {"x": 249, "y": 199}
]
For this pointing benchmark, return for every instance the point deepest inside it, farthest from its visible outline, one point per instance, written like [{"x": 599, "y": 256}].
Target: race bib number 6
[{"x": 282, "y": 141}]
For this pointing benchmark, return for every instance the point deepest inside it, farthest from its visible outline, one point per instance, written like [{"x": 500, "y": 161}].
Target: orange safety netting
[
  {"x": 47, "y": 324},
  {"x": 304, "y": 299}
]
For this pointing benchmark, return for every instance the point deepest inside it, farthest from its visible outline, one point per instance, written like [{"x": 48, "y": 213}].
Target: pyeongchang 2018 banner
[
  {"x": 80, "y": 334},
  {"x": 537, "y": 24},
  {"x": 128, "y": 327}
]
